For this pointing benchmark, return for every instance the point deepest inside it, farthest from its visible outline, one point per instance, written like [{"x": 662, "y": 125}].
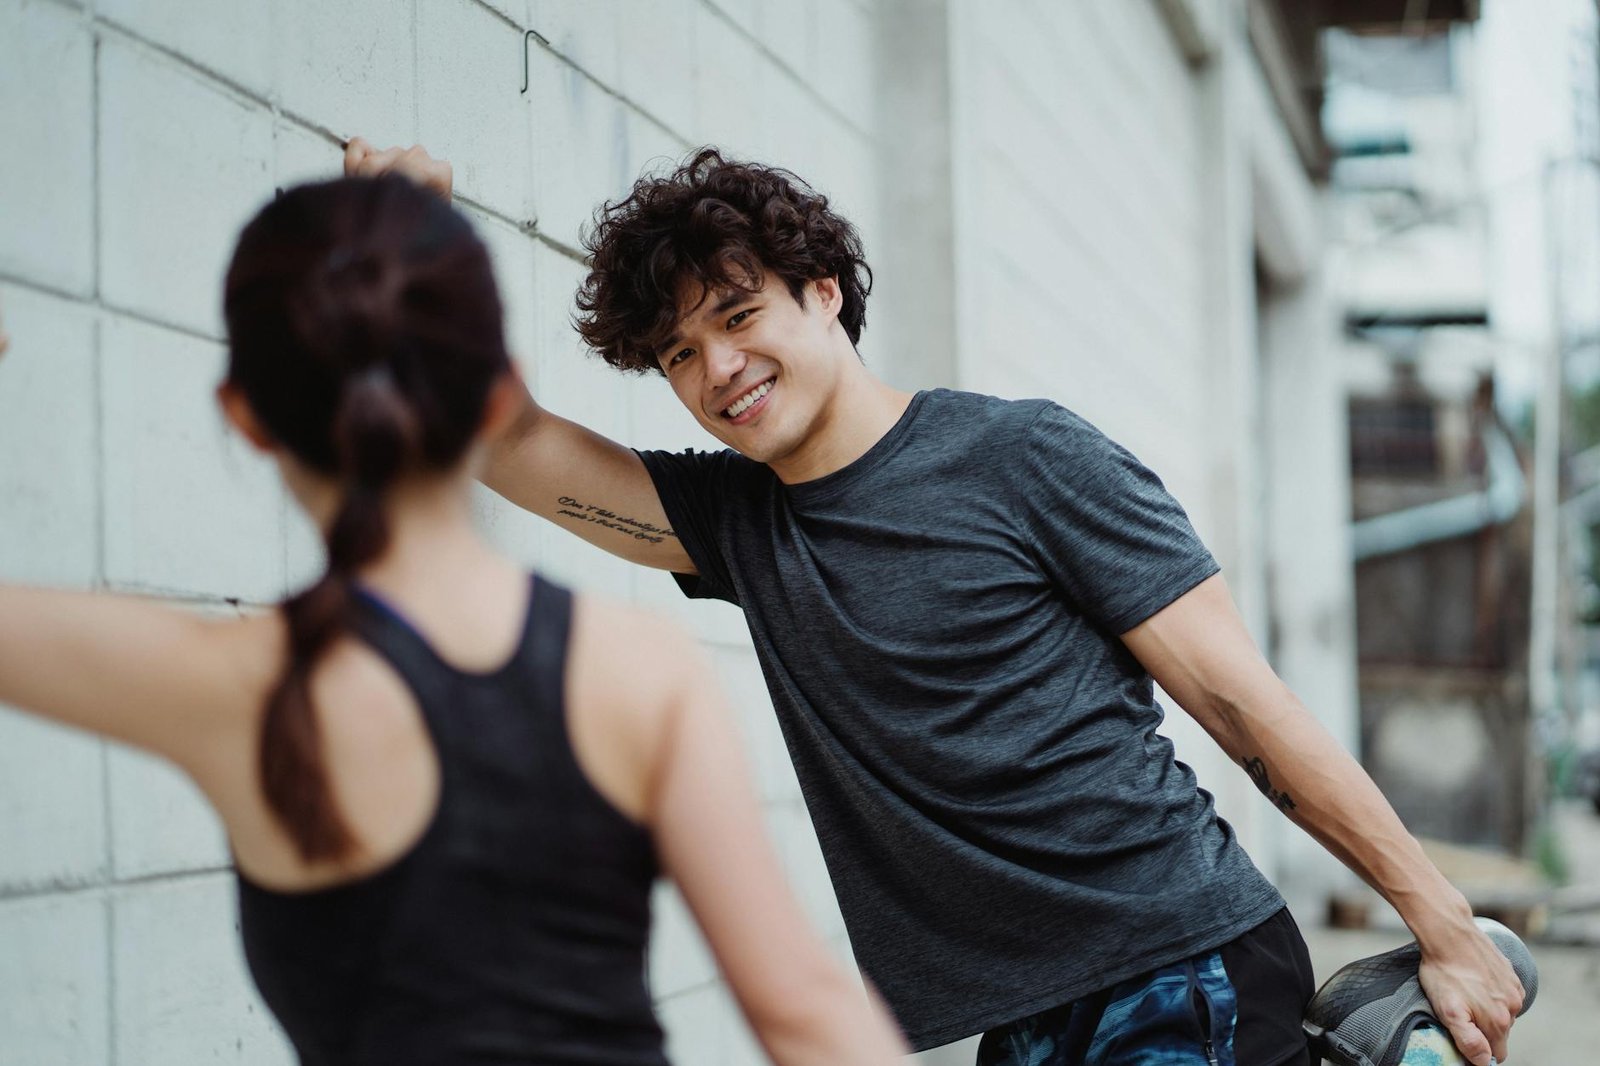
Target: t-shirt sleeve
[
  {"x": 1106, "y": 530},
  {"x": 692, "y": 486}
]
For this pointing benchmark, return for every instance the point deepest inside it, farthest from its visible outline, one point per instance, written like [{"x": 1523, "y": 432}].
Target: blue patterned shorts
[{"x": 1179, "y": 1015}]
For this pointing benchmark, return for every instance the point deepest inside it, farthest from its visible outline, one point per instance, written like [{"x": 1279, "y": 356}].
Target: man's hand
[
  {"x": 361, "y": 160},
  {"x": 1473, "y": 990}
]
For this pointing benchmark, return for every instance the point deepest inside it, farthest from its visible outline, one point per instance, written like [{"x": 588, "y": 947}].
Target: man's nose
[{"x": 724, "y": 362}]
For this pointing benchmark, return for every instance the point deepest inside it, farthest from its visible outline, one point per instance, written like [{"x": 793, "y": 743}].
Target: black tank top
[{"x": 515, "y": 930}]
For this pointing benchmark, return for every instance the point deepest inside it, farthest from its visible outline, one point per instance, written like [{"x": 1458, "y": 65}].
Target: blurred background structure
[{"x": 1330, "y": 267}]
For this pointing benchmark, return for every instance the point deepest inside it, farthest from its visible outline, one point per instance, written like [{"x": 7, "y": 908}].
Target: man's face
[{"x": 758, "y": 370}]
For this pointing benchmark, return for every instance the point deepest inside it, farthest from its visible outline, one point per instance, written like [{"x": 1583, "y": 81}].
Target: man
[{"x": 959, "y": 604}]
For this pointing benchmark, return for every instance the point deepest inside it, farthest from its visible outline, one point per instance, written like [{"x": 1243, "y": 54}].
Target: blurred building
[
  {"x": 1464, "y": 200},
  {"x": 1442, "y": 569}
]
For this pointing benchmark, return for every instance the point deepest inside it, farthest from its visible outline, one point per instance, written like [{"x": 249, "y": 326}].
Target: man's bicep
[
  {"x": 589, "y": 485},
  {"x": 1198, "y": 649}
]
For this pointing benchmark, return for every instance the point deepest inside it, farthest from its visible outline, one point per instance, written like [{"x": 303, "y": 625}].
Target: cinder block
[
  {"x": 48, "y": 454},
  {"x": 789, "y": 31},
  {"x": 692, "y": 1023},
  {"x": 745, "y": 690},
  {"x": 207, "y": 33},
  {"x": 680, "y": 959},
  {"x": 181, "y": 992},
  {"x": 704, "y": 1026},
  {"x": 160, "y": 822},
  {"x": 52, "y": 806},
  {"x": 660, "y": 58},
  {"x": 728, "y": 93},
  {"x": 584, "y": 31},
  {"x": 305, "y": 557},
  {"x": 54, "y": 986},
  {"x": 515, "y": 10},
  {"x": 300, "y": 156},
  {"x": 580, "y": 146},
  {"x": 652, "y": 150},
  {"x": 743, "y": 13},
  {"x": 470, "y": 107},
  {"x": 182, "y": 167},
  {"x": 568, "y": 559},
  {"x": 47, "y": 113},
  {"x": 349, "y": 66},
  {"x": 189, "y": 506},
  {"x": 789, "y": 134},
  {"x": 842, "y": 62}
]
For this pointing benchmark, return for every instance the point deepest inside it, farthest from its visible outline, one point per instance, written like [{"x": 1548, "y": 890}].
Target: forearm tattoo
[
  {"x": 1258, "y": 773},
  {"x": 597, "y": 515}
]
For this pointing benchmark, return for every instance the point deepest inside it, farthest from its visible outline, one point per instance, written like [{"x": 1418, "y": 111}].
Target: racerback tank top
[{"x": 514, "y": 931}]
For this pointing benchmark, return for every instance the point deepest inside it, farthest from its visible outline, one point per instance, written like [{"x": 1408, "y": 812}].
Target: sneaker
[{"x": 1372, "y": 1012}]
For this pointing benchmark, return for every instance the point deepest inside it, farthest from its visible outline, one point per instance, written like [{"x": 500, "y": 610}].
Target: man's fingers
[
  {"x": 354, "y": 153},
  {"x": 1471, "y": 1042}
]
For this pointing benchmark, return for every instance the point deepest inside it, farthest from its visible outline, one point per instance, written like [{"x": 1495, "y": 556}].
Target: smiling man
[{"x": 959, "y": 603}]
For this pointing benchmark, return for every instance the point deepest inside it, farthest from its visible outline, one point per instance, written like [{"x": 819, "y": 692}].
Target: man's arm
[
  {"x": 1199, "y": 651},
  {"x": 581, "y": 481},
  {"x": 587, "y": 484}
]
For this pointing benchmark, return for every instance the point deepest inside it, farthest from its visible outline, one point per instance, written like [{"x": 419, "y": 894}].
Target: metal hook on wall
[{"x": 542, "y": 40}]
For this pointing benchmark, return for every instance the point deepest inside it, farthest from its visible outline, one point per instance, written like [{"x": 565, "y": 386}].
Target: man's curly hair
[{"x": 720, "y": 224}]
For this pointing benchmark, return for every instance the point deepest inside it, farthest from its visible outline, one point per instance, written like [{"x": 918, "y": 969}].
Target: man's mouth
[{"x": 748, "y": 400}]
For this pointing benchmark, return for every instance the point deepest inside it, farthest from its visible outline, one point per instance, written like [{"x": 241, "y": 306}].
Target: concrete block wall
[{"x": 140, "y": 135}]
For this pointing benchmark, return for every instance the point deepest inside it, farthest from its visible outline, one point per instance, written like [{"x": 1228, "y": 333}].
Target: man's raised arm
[
  {"x": 587, "y": 484},
  {"x": 578, "y": 479}
]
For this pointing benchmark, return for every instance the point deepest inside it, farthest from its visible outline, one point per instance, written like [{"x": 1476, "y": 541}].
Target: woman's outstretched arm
[{"x": 129, "y": 669}]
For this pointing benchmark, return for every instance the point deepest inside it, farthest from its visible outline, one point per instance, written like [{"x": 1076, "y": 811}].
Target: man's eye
[
  {"x": 740, "y": 317},
  {"x": 680, "y": 356}
]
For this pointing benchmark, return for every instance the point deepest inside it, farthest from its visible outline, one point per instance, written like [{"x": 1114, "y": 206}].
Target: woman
[{"x": 447, "y": 786}]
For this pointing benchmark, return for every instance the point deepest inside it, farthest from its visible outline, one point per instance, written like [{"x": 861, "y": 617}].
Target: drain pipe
[{"x": 1498, "y": 502}]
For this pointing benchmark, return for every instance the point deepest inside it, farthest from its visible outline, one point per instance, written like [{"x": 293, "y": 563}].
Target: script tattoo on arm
[
  {"x": 632, "y": 527},
  {"x": 1258, "y": 773}
]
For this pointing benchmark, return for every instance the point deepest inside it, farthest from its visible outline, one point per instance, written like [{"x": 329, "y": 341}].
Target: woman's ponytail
[{"x": 375, "y": 434}]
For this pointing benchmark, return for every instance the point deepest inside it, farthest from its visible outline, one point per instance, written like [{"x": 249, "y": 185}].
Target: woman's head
[
  {"x": 366, "y": 341},
  {"x": 352, "y": 302}
]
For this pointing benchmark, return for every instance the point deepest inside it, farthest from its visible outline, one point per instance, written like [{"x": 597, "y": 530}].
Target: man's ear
[
  {"x": 242, "y": 417},
  {"x": 829, "y": 296}
]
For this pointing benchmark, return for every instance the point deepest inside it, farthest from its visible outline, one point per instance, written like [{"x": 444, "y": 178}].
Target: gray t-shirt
[{"x": 938, "y": 624}]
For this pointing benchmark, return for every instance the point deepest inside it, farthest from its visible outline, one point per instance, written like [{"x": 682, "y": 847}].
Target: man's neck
[{"x": 862, "y": 412}]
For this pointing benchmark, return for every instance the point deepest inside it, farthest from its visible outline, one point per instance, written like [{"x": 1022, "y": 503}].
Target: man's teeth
[{"x": 742, "y": 404}]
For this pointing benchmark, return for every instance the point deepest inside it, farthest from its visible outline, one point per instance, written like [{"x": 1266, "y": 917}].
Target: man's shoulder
[
  {"x": 951, "y": 405},
  {"x": 994, "y": 417}
]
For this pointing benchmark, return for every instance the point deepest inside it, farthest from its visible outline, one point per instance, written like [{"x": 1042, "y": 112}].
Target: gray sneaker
[{"x": 1371, "y": 1011}]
